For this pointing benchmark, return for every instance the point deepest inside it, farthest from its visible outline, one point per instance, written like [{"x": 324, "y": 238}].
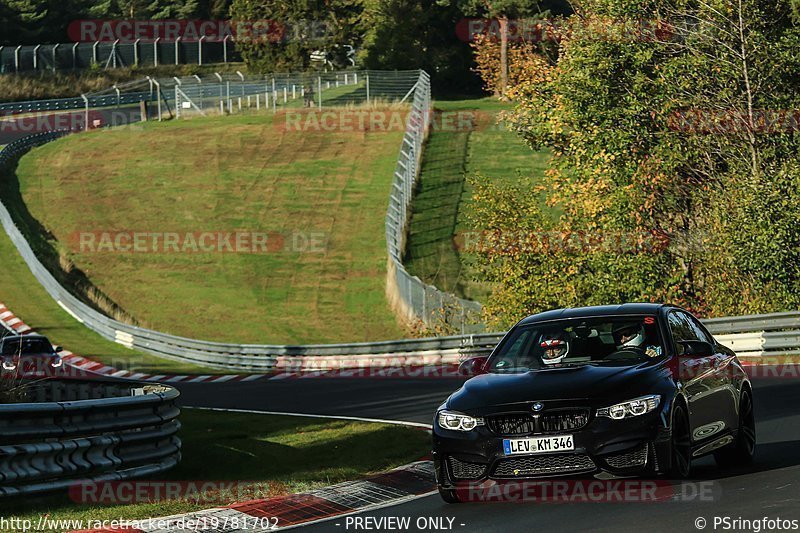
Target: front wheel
[
  {"x": 742, "y": 450},
  {"x": 681, "y": 454},
  {"x": 449, "y": 495}
]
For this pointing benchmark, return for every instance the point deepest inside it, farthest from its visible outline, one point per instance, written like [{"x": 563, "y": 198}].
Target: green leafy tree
[
  {"x": 314, "y": 25},
  {"x": 654, "y": 117}
]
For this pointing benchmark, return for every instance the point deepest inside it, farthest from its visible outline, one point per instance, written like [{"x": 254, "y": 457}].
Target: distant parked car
[
  {"x": 634, "y": 389},
  {"x": 25, "y": 355}
]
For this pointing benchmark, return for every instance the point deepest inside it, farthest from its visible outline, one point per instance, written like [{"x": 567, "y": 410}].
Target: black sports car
[{"x": 634, "y": 389}]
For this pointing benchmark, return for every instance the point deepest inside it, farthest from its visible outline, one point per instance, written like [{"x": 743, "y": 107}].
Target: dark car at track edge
[{"x": 629, "y": 390}]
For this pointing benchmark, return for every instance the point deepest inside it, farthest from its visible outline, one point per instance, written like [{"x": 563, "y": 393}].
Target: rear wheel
[
  {"x": 449, "y": 495},
  {"x": 681, "y": 455},
  {"x": 742, "y": 450}
]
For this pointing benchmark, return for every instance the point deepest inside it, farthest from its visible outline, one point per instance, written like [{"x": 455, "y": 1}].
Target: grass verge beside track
[
  {"x": 225, "y": 174},
  {"x": 281, "y": 455},
  {"x": 20, "y": 291}
]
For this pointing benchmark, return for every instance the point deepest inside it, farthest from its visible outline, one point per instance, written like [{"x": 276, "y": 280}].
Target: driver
[
  {"x": 632, "y": 335},
  {"x": 555, "y": 348}
]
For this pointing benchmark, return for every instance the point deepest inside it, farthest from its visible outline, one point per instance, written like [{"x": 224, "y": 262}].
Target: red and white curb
[{"x": 409, "y": 482}]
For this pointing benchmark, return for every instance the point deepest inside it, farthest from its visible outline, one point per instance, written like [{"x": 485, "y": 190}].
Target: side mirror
[
  {"x": 473, "y": 366},
  {"x": 59, "y": 349},
  {"x": 692, "y": 349}
]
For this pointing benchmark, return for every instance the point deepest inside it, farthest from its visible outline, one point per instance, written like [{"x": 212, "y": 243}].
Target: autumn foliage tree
[{"x": 661, "y": 163}]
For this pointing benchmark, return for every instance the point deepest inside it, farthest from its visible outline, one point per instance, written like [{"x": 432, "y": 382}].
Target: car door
[
  {"x": 726, "y": 398},
  {"x": 698, "y": 377}
]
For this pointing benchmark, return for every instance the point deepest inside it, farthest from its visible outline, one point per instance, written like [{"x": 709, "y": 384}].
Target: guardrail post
[{"x": 55, "y": 57}]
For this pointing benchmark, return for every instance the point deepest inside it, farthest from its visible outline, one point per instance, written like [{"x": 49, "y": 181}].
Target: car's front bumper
[{"x": 635, "y": 446}]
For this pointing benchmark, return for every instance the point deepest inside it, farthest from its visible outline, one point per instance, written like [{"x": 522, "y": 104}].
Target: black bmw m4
[{"x": 630, "y": 390}]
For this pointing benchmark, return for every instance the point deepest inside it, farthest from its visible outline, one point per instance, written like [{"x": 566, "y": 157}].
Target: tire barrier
[{"x": 69, "y": 431}]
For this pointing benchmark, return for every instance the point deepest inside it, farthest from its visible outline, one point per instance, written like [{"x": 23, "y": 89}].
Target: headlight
[
  {"x": 458, "y": 422},
  {"x": 635, "y": 407},
  {"x": 57, "y": 363},
  {"x": 8, "y": 364}
]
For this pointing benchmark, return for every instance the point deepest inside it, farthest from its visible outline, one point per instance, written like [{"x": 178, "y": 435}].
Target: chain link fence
[
  {"x": 414, "y": 300},
  {"x": 67, "y": 56}
]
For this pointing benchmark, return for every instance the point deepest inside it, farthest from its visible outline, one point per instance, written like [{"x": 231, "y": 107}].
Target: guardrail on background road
[{"x": 72, "y": 431}]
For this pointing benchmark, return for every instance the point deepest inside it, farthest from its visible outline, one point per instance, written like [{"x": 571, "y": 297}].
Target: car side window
[
  {"x": 697, "y": 329},
  {"x": 681, "y": 329}
]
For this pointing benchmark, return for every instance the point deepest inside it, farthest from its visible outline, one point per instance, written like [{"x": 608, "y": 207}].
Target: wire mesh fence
[{"x": 410, "y": 296}]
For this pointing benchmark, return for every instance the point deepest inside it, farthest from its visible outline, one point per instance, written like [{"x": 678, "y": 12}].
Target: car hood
[{"x": 593, "y": 384}]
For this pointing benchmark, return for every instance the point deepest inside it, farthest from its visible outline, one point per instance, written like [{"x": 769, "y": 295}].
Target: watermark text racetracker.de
[{"x": 194, "y": 242}]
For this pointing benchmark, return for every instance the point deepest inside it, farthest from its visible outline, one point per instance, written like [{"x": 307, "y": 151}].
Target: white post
[
  {"x": 258, "y": 101},
  {"x": 155, "y": 52},
  {"x": 177, "y": 50},
  {"x": 200, "y": 51},
  {"x": 366, "y": 76},
  {"x": 285, "y": 95},
  {"x": 319, "y": 90}
]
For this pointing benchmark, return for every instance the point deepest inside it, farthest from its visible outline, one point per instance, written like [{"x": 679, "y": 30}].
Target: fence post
[
  {"x": 16, "y": 58},
  {"x": 155, "y": 53},
  {"x": 200, "y": 50},
  {"x": 36, "y": 56},
  {"x": 94, "y": 52},
  {"x": 319, "y": 90},
  {"x": 367, "y": 78},
  {"x": 75, "y": 55},
  {"x": 55, "y": 57},
  {"x": 136, "y": 52},
  {"x": 86, "y": 115},
  {"x": 177, "y": 50},
  {"x": 225, "y": 49}
]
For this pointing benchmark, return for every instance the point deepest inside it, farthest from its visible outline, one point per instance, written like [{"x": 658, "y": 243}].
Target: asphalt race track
[{"x": 769, "y": 488}]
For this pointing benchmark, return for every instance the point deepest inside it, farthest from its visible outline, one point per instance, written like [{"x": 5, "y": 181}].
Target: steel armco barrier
[{"x": 86, "y": 430}]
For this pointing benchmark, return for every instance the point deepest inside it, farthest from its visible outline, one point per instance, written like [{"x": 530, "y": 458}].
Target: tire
[
  {"x": 741, "y": 451},
  {"x": 680, "y": 445},
  {"x": 449, "y": 495}
]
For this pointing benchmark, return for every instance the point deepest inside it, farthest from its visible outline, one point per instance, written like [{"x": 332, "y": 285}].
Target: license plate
[{"x": 556, "y": 443}]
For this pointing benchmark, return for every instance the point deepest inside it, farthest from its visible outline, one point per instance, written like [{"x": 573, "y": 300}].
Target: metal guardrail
[{"x": 73, "y": 431}]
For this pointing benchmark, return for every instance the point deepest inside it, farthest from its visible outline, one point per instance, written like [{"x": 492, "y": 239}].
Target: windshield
[
  {"x": 29, "y": 347},
  {"x": 603, "y": 340}
]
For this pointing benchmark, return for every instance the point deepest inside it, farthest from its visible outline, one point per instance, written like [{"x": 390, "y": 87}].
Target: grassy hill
[{"x": 320, "y": 198}]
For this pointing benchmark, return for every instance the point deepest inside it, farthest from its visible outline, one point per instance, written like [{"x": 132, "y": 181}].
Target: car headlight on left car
[
  {"x": 631, "y": 408},
  {"x": 57, "y": 362},
  {"x": 9, "y": 364},
  {"x": 458, "y": 421}
]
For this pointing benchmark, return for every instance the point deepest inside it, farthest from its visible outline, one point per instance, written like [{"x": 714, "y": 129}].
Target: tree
[
  {"x": 311, "y": 24},
  {"x": 502, "y": 11},
  {"x": 661, "y": 162}
]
